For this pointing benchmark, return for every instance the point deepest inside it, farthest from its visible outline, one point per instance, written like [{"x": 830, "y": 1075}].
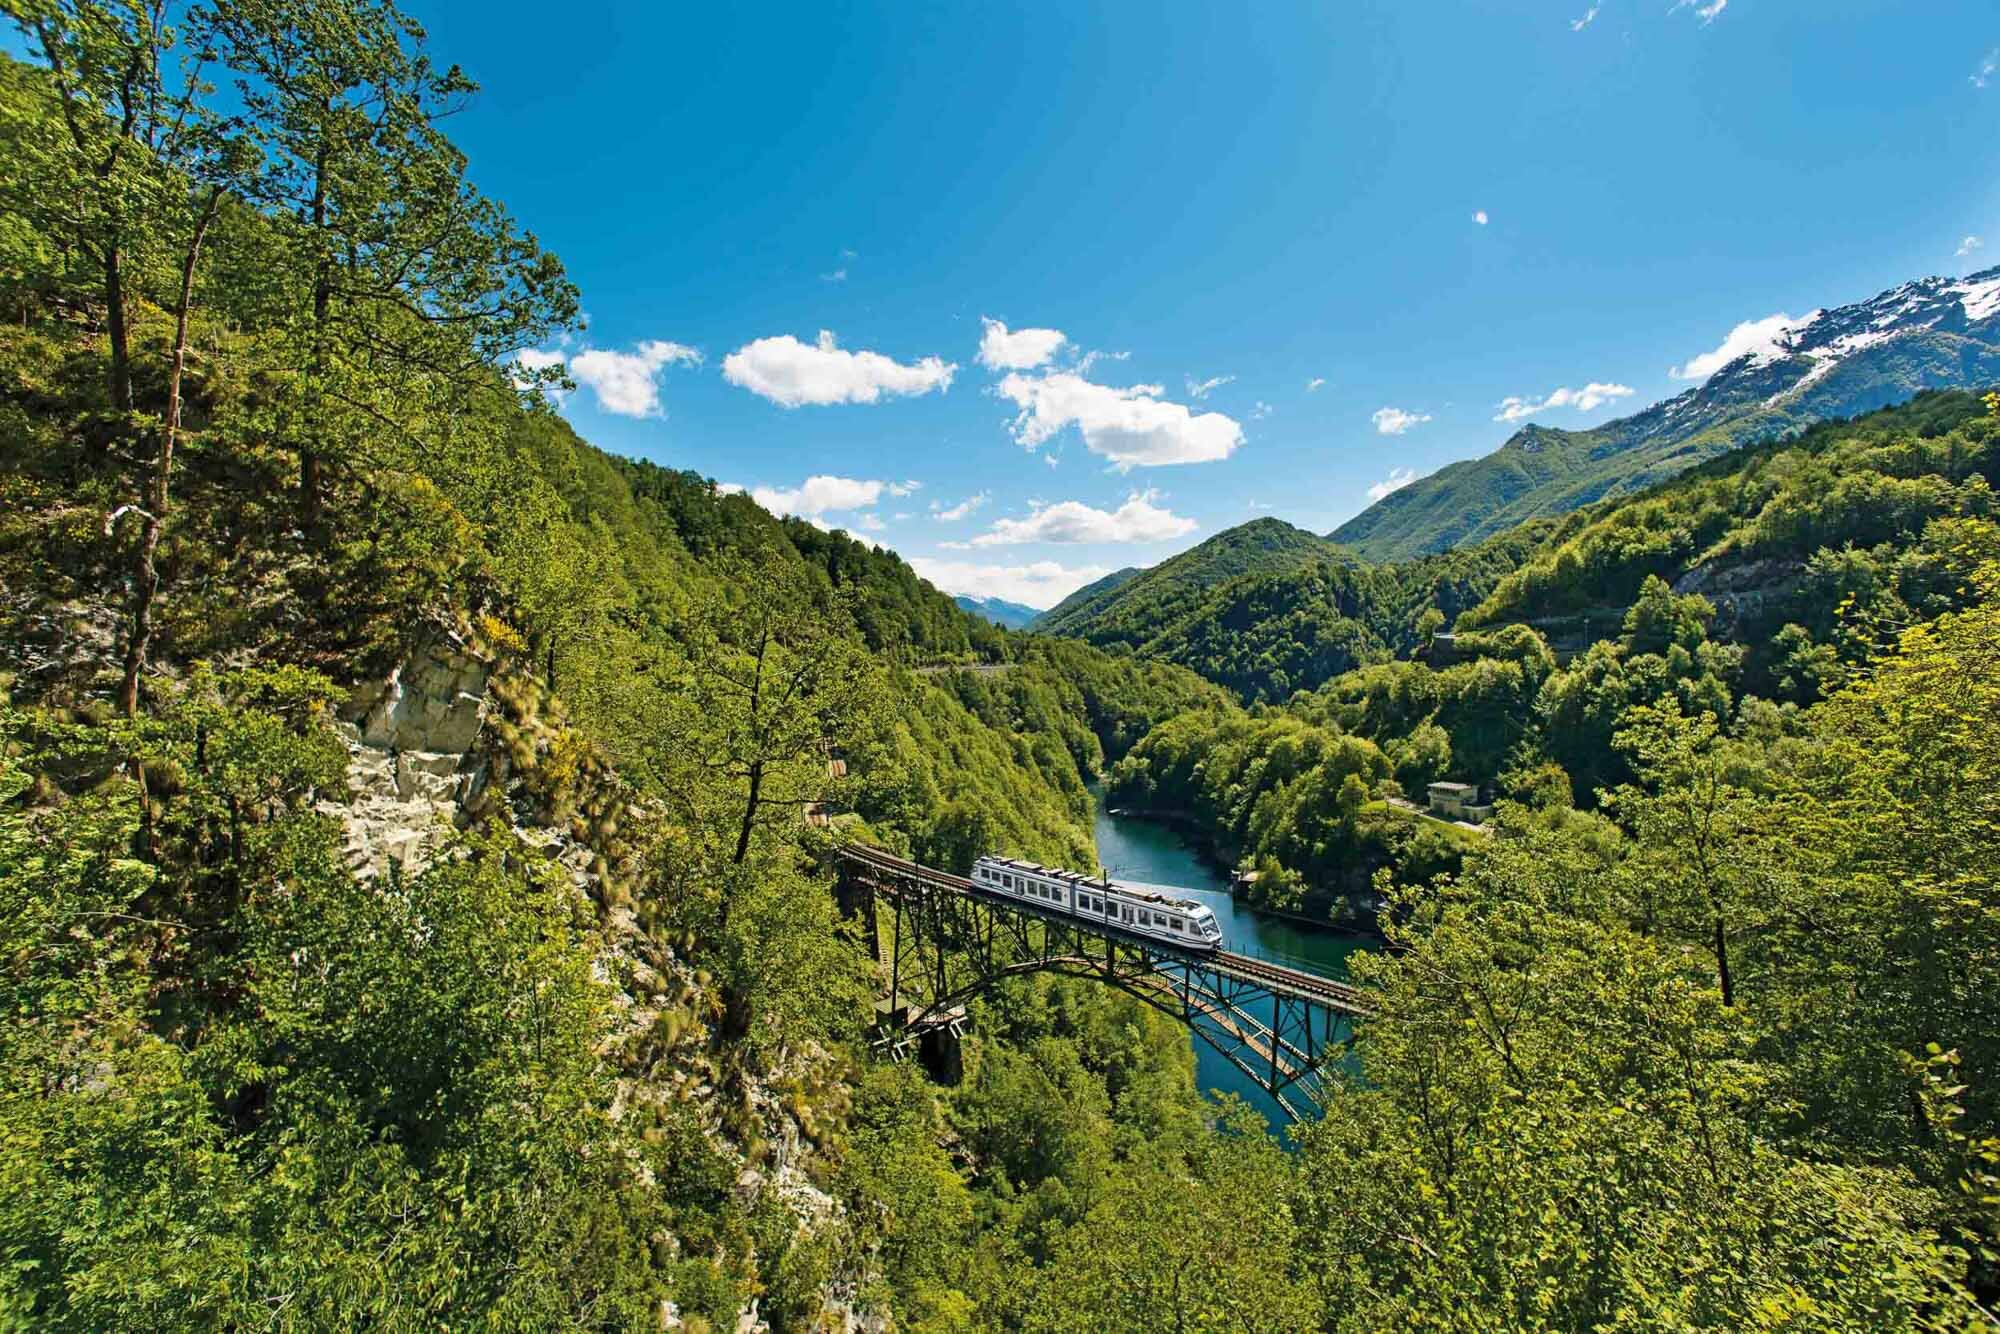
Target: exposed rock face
[
  {"x": 453, "y": 737},
  {"x": 1742, "y": 594},
  {"x": 412, "y": 757}
]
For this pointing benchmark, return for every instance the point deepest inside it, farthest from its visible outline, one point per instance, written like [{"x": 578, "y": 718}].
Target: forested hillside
[
  {"x": 1934, "y": 333},
  {"x": 1267, "y": 610},
  {"x": 1127, "y": 607},
  {"x": 414, "y": 822},
  {"x": 1749, "y": 587},
  {"x": 408, "y": 884}
]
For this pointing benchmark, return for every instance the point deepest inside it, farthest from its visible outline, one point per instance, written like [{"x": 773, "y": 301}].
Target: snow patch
[{"x": 1981, "y": 300}]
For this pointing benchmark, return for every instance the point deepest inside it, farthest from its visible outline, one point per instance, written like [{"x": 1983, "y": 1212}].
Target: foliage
[
  {"x": 1267, "y": 610},
  {"x": 1554, "y": 1126},
  {"x": 239, "y": 1085},
  {"x": 1722, "y": 1055}
]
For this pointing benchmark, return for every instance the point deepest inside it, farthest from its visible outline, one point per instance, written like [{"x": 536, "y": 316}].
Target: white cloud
[
  {"x": 626, "y": 383},
  {"x": 964, "y": 509},
  {"x": 1095, "y": 355},
  {"x": 1479, "y": 216},
  {"x": 1965, "y": 247},
  {"x": 1041, "y": 584},
  {"x": 1397, "y": 479},
  {"x": 1705, "y": 10},
  {"x": 1987, "y": 69},
  {"x": 1315, "y": 383},
  {"x": 1019, "y": 350},
  {"x": 1203, "y": 388},
  {"x": 904, "y": 488},
  {"x": 537, "y": 360},
  {"x": 532, "y": 360},
  {"x": 791, "y": 373},
  {"x": 1260, "y": 410},
  {"x": 868, "y": 523},
  {"x": 837, "y": 276},
  {"x": 1763, "y": 337},
  {"x": 1593, "y": 395},
  {"x": 818, "y": 495},
  {"x": 1137, "y": 520},
  {"x": 1133, "y": 427},
  {"x": 1395, "y": 421},
  {"x": 1589, "y": 17}
]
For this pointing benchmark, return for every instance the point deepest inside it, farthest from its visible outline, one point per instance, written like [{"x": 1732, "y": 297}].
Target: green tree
[
  {"x": 1554, "y": 1126},
  {"x": 98, "y": 182},
  {"x": 1703, "y": 871},
  {"x": 403, "y": 282}
]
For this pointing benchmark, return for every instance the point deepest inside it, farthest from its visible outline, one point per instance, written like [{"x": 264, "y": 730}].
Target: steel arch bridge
[{"x": 947, "y": 940}]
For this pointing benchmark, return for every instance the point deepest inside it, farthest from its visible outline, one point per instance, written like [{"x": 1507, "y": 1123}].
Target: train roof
[{"x": 1148, "y": 893}]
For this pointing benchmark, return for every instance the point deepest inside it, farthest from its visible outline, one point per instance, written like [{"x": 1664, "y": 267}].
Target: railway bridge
[{"x": 942, "y": 940}]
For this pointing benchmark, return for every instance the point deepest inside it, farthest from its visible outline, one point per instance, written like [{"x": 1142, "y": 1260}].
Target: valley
[{"x": 474, "y": 778}]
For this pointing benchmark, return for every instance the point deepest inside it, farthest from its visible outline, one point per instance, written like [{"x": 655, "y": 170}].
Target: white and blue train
[{"x": 1140, "y": 910}]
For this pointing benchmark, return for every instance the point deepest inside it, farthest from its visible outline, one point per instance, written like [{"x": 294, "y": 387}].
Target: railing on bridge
[{"x": 945, "y": 940}]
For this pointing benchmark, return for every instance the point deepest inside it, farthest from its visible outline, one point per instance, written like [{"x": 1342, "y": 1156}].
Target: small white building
[{"x": 1458, "y": 801}]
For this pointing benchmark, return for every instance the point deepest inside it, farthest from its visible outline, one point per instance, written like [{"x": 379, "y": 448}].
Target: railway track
[{"x": 1274, "y": 976}]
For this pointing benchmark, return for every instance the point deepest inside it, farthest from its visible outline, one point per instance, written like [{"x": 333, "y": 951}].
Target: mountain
[
  {"x": 1012, "y": 615},
  {"x": 1294, "y": 617},
  {"x": 1934, "y": 333},
  {"x": 1089, "y": 595},
  {"x": 1125, "y": 607}
]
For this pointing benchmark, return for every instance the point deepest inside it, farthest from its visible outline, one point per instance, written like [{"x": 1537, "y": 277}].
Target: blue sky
[{"x": 1294, "y": 252}]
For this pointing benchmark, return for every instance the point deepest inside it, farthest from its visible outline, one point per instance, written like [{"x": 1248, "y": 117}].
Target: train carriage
[{"x": 1137, "y": 909}]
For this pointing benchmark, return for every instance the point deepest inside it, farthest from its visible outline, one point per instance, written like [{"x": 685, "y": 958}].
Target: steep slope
[
  {"x": 1009, "y": 615},
  {"x": 1786, "y": 531},
  {"x": 1131, "y": 609},
  {"x": 1294, "y": 619},
  {"x": 1934, "y": 333},
  {"x": 1091, "y": 595}
]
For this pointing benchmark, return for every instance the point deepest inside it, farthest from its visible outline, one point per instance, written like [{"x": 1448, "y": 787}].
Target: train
[{"x": 1137, "y": 909}]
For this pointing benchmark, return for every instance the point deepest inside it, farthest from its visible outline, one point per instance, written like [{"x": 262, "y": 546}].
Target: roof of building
[{"x": 1455, "y": 789}]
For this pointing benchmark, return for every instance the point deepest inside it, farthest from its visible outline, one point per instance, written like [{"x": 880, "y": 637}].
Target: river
[{"x": 1134, "y": 849}]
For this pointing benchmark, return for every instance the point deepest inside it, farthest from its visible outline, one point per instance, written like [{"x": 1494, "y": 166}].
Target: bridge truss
[{"x": 943, "y": 940}]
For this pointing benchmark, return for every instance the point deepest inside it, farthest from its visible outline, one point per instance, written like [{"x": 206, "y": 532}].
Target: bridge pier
[
  {"x": 942, "y": 1050},
  {"x": 935, "y": 1037}
]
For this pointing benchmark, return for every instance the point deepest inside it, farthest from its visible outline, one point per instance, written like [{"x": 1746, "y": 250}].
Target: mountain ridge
[
  {"x": 1929, "y": 333},
  {"x": 1109, "y": 610},
  {"x": 1005, "y": 614}
]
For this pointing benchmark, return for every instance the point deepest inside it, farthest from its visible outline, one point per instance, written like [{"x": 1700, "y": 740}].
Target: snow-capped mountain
[
  {"x": 1011, "y": 615},
  {"x": 1933, "y": 333}
]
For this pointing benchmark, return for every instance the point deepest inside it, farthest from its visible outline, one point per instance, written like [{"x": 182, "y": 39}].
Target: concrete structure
[{"x": 1458, "y": 801}]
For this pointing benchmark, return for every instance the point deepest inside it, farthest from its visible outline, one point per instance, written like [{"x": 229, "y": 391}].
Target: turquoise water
[{"x": 1133, "y": 849}]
